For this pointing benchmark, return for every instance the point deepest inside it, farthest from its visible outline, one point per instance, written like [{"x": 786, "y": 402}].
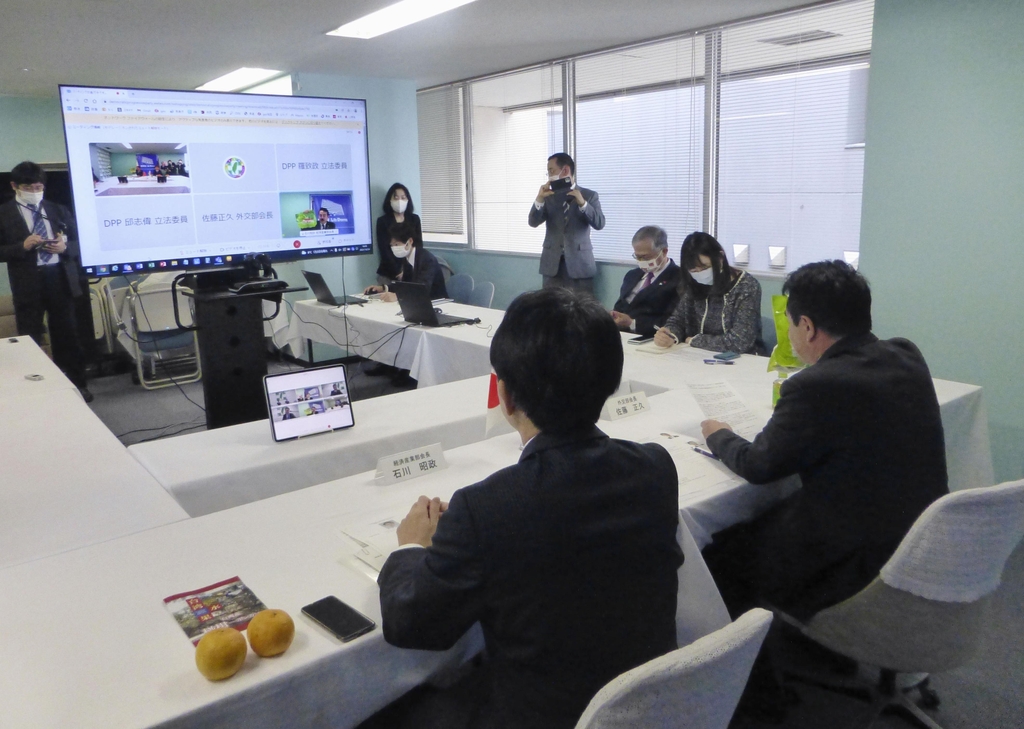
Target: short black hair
[
  {"x": 404, "y": 231},
  {"x": 562, "y": 159},
  {"x": 323, "y": 210},
  {"x": 409, "y": 209},
  {"x": 833, "y": 295},
  {"x": 657, "y": 236},
  {"x": 559, "y": 354},
  {"x": 28, "y": 173},
  {"x": 699, "y": 244}
]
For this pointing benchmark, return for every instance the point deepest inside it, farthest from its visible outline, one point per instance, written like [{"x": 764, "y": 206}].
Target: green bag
[
  {"x": 306, "y": 219},
  {"x": 782, "y": 357}
]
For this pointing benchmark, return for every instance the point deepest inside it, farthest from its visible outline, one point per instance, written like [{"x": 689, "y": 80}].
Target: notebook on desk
[
  {"x": 323, "y": 292},
  {"x": 417, "y": 308}
]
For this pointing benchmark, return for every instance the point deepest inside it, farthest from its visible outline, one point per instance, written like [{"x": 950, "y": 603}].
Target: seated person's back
[{"x": 568, "y": 558}]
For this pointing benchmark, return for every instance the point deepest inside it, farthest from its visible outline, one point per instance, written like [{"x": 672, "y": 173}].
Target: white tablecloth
[
  {"x": 21, "y": 356},
  {"x": 377, "y": 331},
  {"x": 231, "y": 466},
  {"x": 66, "y": 481}
]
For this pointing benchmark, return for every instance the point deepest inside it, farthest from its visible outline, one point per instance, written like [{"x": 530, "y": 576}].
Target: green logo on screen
[{"x": 234, "y": 167}]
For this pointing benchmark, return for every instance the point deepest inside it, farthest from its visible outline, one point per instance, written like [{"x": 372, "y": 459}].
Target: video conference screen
[{"x": 193, "y": 179}]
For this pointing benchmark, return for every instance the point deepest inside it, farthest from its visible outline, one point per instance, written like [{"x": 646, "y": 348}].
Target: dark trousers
[
  {"x": 425, "y": 707},
  {"x": 56, "y": 301},
  {"x": 562, "y": 280}
]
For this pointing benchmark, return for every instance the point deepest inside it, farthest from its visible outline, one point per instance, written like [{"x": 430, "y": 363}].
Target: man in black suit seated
[
  {"x": 567, "y": 559},
  {"x": 649, "y": 291},
  {"x": 322, "y": 223},
  {"x": 861, "y": 426}
]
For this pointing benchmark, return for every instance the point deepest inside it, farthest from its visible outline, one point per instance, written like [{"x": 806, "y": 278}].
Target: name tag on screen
[
  {"x": 410, "y": 464},
  {"x": 623, "y": 406}
]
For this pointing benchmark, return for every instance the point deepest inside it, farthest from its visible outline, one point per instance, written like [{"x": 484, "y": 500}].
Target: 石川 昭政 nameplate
[{"x": 410, "y": 464}]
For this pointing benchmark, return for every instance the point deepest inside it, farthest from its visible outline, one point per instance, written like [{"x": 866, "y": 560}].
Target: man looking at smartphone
[
  {"x": 567, "y": 559},
  {"x": 568, "y": 212},
  {"x": 39, "y": 244},
  {"x": 649, "y": 292}
]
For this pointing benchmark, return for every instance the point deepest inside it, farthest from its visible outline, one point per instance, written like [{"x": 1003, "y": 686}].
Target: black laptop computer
[
  {"x": 323, "y": 292},
  {"x": 417, "y": 308}
]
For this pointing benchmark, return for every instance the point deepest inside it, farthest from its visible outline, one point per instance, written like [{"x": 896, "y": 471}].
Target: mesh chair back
[
  {"x": 482, "y": 295},
  {"x": 956, "y": 550},
  {"x": 695, "y": 686},
  {"x": 460, "y": 287}
]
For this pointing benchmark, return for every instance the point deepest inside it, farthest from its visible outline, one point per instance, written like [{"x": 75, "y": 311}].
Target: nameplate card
[
  {"x": 623, "y": 406},
  {"x": 410, "y": 464}
]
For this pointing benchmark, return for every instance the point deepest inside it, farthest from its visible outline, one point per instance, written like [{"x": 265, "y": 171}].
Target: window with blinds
[
  {"x": 792, "y": 98},
  {"x": 640, "y": 140},
  {"x": 516, "y": 126},
  {"x": 442, "y": 206}
]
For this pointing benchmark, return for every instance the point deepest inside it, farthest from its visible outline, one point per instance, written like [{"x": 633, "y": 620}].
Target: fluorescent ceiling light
[
  {"x": 238, "y": 79},
  {"x": 180, "y": 145},
  {"x": 126, "y": 145},
  {"x": 396, "y": 16}
]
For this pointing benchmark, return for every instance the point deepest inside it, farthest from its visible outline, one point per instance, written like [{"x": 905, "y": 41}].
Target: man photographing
[
  {"x": 567, "y": 558},
  {"x": 39, "y": 244},
  {"x": 568, "y": 212}
]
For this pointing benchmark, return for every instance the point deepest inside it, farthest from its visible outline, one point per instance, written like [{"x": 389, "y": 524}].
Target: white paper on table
[
  {"x": 718, "y": 401},
  {"x": 680, "y": 351},
  {"x": 375, "y": 540},
  {"x": 698, "y": 474}
]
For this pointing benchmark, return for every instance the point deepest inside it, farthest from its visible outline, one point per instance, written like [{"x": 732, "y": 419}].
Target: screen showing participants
[
  {"x": 317, "y": 214},
  {"x": 308, "y": 402},
  {"x": 135, "y": 168}
]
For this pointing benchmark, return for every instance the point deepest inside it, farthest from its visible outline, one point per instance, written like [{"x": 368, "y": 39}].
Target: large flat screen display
[{"x": 191, "y": 179}]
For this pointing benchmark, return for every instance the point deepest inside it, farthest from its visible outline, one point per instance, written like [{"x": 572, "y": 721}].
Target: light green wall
[
  {"x": 943, "y": 218},
  {"x": 31, "y": 129}
]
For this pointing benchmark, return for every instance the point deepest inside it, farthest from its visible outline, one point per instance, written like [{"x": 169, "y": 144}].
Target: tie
[
  {"x": 648, "y": 280},
  {"x": 39, "y": 228},
  {"x": 565, "y": 211}
]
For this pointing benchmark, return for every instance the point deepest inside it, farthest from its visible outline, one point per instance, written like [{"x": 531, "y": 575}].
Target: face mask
[
  {"x": 400, "y": 251},
  {"x": 28, "y": 198},
  {"x": 705, "y": 277},
  {"x": 399, "y": 206},
  {"x": 648, "y": 266}
]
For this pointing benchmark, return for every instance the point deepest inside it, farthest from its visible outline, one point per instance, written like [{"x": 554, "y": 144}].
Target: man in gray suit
[{"x": 567, "y": 258}]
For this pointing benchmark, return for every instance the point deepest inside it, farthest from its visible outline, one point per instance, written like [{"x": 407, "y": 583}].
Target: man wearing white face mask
[
  {"x": 39, "y": 244},
  {"x": 649, "y": 291},
  {"x": 569, "y": 212},
  {"x": 416, "y": 264}
]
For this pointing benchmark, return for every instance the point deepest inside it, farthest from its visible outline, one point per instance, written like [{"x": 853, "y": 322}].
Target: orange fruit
[
  {"x": 270, "y": 632},
  {"x": 221, "y": 653}
]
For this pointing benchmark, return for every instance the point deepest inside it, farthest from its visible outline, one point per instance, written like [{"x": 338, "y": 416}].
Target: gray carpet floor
[{"x": 986, "y": 694}]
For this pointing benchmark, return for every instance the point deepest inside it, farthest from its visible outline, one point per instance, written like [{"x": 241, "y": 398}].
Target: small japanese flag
[{"x": 496, "y": 423}]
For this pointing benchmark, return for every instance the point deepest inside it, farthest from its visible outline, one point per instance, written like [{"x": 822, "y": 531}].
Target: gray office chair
[
  {"x": 482, "y": 295},
  {"x": 696, "y": 686},
  {"x": 446, "y": 269},
  {"x": 768, "y": 334},
  {"x": 460, "y": 287},
  {"x": 164, "y": 354},
  {"x": 925, "y": 611}
]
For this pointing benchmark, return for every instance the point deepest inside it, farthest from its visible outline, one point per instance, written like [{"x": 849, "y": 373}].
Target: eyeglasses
[
  {"x": 34, "y": 187},
  {"x": 644, "y": 259}
]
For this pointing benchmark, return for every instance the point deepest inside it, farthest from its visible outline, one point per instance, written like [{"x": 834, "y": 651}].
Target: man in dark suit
[
  {"x": 649, "y": 291},
  {"x": 39, "y": 244},
  {"x": 322, "y": 222},
  {"x": 569, "y": 212},
  {"x": 417, "y": 264},
  {"x": 567, "y": 559},
  {"x": 861, "y": 427}
]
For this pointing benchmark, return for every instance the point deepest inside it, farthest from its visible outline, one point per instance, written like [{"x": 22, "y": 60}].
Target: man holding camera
[
  {"x": 39, "y": 244},
  {"x": 569, "y": 212}
]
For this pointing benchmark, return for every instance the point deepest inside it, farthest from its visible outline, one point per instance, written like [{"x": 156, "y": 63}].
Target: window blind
[{"x": 442, "y": 164}]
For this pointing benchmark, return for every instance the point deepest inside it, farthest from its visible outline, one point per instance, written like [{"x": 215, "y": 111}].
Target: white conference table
[
  {"x": 20, "y": 358},
  {"x": 376, "y": 330},
  {"x": 67, "y": 482},
  {"x": 95, "y": 646},
  {"x": 223, "y": 468}
]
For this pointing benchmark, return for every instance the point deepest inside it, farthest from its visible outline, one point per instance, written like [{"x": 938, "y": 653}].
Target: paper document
[
  {"x": 375, "y": 539},
  {"x": 718, "y": 401},
  {"x": 698, "y": 474},
  {"x": 680, "y": 351}
]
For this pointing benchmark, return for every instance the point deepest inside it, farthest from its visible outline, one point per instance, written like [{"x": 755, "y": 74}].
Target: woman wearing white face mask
[
  {"x": 719, "y": 306},
  {"x": 397, "y": 208},
  {"x": 415, "y": 264}
]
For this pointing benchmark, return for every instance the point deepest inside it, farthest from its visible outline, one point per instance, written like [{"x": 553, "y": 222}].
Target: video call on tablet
[{"x": 308, "y": 402}]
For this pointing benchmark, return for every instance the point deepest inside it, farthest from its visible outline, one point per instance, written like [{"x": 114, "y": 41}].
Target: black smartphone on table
[
  {"x": 338, "y": 618},
  {"x": 642, "y": 339}
]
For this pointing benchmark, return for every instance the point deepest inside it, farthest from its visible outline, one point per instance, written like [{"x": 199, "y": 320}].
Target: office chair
[
  {"x": 696, "y": 686},
  {"x": 460, "y": 287},
  {"x": 164, "y": 354},
  {"x": 924, "y": 612},
  {"x": 482, "y": 295},
  {"x": 446, "y": 270},
  {"x": 768, "y": 334}
]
